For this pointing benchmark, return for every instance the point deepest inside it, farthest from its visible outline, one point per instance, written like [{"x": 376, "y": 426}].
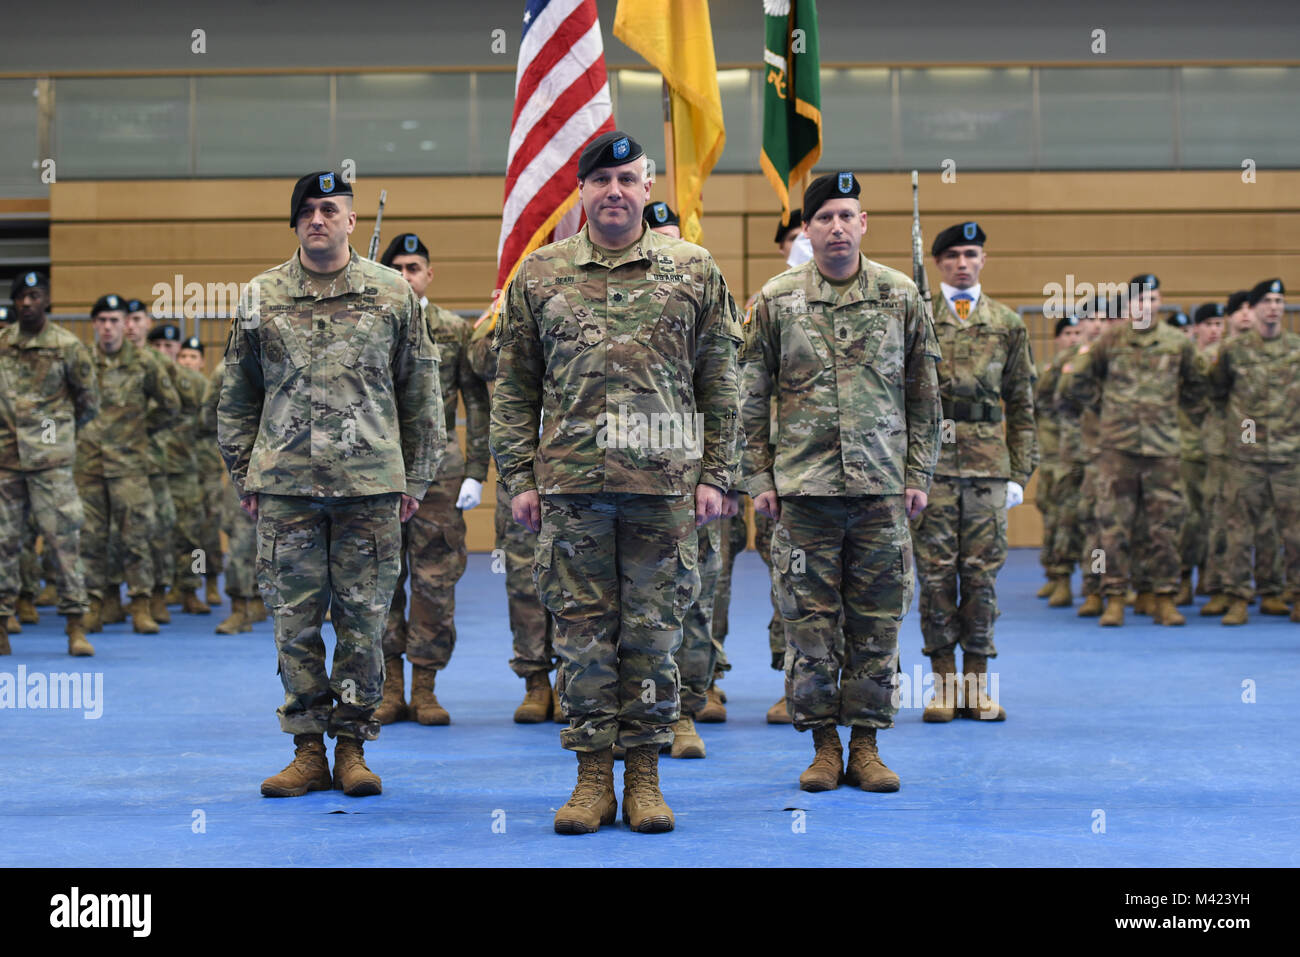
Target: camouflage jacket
[
  {"x": 181, "y": 440},
  {"x": 1143, "y": 376},
  {"x": 1258, "y": 382},
  {"x": 206, "y": 453},
  {"x": 134, "y": 388},
  {"x": 482, "y": 358},
  {"x": 160, "y": 440},
  {"x": 1045, "y": 413},
  {"x": 1078, "y": 439},
  {"x": 854, "y": 381},
  {"x": 47, "y": 392},
  {"x": 627, "y": 364},
  {"x": 986, "y": 364},
  {"x": 451, "y": 333},
  {"x": 1212, "y": 431},
  {"x": 331, "y": 393}
]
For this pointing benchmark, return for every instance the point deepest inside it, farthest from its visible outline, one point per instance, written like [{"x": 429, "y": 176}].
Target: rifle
[
  {"x": 918, "y": 248},
  {"x": 379, "y": 218}
]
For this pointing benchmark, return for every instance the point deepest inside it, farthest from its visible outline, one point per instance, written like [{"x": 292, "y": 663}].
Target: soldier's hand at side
[
  {"x": 471, "y": 493},
  {"x": 708, "y": 504},
  {"x": 526, "y": 507},
  {"x": 914, "y": 502},
  {"x": 409, "y": 507},
  {"x": 249, "y": 504},
  {"x": 1015, "y": 494},
  {"x": 769, "y": 504},
  {"x": 731, "y": 504}
]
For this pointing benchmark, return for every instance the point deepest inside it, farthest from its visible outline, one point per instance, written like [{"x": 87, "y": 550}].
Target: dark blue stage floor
[{"x": 1130, "y": 747}]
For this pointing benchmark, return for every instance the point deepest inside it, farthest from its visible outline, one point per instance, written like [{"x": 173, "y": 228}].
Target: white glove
[
  {"x": 1015, "y": 494},
  {"x": 800, "y": 252},
  {"x": 471, "y": 493}
]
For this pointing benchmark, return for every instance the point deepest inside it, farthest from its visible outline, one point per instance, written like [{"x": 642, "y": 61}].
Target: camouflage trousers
[
  {"x": 1257, "y": 496},
  {"x": 164, "y": 532},
  {"x": 33, "y": 567},
  {"x": 1066, "y": 542},
  {"x": 1091, "y": 558},
  {"x": 212, "y": 495},
  {"x": 617, "y": 571},
  {"x": 696, "y": 658},
  {"x": 50, "y": 496},
  {"x": 1141, "y": 525},
  {"x": 734, "y": 536},
  {"x": 126, "y": 504},
  {"x": 187, "y": 532},
  {"x": 960, "y": 541},
  {"x": 335, "y": 553},
  {"x": 1191, "y": 542},
  {"x": 434, "y": 553},
  {"x": 241, "y": 532},
  {"x": 530, "y": 626},
  {"x": 1047, "y": 501},
  {"x": 843, "y": 573}
]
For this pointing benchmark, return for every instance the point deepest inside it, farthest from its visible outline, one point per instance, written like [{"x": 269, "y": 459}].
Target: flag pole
[{"x": 670, "y": 155}]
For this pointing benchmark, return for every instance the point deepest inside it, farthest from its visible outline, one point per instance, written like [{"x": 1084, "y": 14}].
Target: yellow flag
[{"x": 675, "y": 37}]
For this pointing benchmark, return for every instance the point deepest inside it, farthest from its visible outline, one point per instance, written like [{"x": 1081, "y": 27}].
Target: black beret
[
  {"x": 314, "y": 185},
  {"x": 29, "y": 280},
  {"x": 608, "y": 149},
  {"x": 166, "y": 331},
  {"x": 1208, "y": 311},
  {"x": 660, "y": 214},
  {"x": 135, "y": 305},
  {"x": 109, "y": 303},
  {"x": 1146, "y": 279},
  {"x": 963, "y": 234},
  {"x": 1262, "y": 289},
  {"x": 404, "y": 244},
  {"x": 1178, "y": 319},
  {"x": 830, "y": 186},
  {"x": 1065, "y": 322},
  {"x": 193, "y": 342},
  {"x": 1238, "y": 299},
  {"x": 796, "y": 220}
]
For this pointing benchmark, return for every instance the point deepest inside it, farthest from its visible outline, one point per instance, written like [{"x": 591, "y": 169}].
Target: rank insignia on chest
[{"x": 664, "y": 262}]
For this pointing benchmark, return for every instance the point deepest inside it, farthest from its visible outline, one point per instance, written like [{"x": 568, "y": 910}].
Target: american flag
[{"x": 561, "y": 102}]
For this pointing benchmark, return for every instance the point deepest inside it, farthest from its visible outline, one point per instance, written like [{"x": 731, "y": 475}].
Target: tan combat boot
[
  {"x": 975, "y": 687},
  {"x": 592, "y": 802},
  {"x": 13, "y": 625},
  {"x": 1273, "y": 605},
  {"x": 309, "y": 770},
  {"x": 1236, "y": 614},
  {"x": 1091, "y": 607},
  {"x": 92, "y": 619},
  {"x": 1145, "y": 603},
  {"x": 237, "y": 621},
  {"x": 687, "y": 742},
  {"x": 1295, "y": 612},
  {"x": 393, "y": 706},
  {"x": 256, "y": 610},
  {"x": 212, "y": 594},
  {"x": 536, "y": 706},
  {"x": 4, "y": 638},
  {"x": 1046, "y": 590},
  {"x": 1184, "y": 596},
  {"x": 1113, "y": 616},
  {"x": 78, "y": 646},
  {"x": 47, "y": 596},
  {"x": 865, "y": 769},
  {"x": 557, "y": 711},
  {"x": 644, "y": 808},
  {"x": 1130, "y": 598},
  {"x": 142, "y": 621},
  {"x": 25, "y": 610},
  {"x": 943, "y": 706},
  {"x": 827, "y": 768},
  {"x": 351, "y": 776},
  {"x": 779, "y": 713},
  {"x": 424, "y": 703},
  {"x": 1217, "y": 605},
  {"x": 1166, "y": 613},
  {"x": 192, "y": 604},
  {"x": 714, "y": 711},
  {"x": 113, "y": 612},
  {"x": 1061, "y": 596},
  {"x": 158, "y": 607}
]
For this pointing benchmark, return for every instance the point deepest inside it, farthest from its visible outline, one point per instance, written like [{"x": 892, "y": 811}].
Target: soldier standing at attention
[
  {"x": 845, "y": 349},
  {"x": 210, "y": 468},
  {"x": 434, "y": 538},
  {"x": 620, "y": 344},
  {"x": 1207, "y": 325},
  {"x": 1051, "y": 472},
  {"x": 331, "y": 424},
  {"x": 47, "y": 392},
  {"x": 961, "y": 538}
]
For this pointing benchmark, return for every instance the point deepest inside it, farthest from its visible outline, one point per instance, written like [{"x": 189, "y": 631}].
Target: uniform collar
[
  {"x": 20, "y": 340},
  {"x": 979, "y": 314},
  {"x": 300, "y": 283},
  {"x": 590, "y": 254},
  {"x": 819, "y": 288}
]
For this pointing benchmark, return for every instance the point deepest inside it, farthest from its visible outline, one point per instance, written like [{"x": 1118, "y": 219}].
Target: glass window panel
[
  {"x": 405, "y": 123},
  {"x": 109, "y": 127},
  {"x": 1106, "y": 118},
  {"x": 640, "y": 112},
  {"x": 980, "y": 117},
  {"x": 495, "y": 96},
  {"x": 744, "y": 130},
  {"x": 1234, "y": 113},
  {"x": 857, "y": 120},
  {"x": 263, "y": 125},
  {"x": 20, "y": 172}
]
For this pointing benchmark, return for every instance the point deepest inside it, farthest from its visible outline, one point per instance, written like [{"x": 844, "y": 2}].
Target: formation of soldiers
[{"x": 882, "y": 440}]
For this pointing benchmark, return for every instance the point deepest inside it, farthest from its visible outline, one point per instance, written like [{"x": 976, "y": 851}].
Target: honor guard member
[
  {"x": 114, "y": 457},
  {"x": 207, "y": 461},
  {"x": 844, "y": 348},
  {"x": 331, "y": 424},
  {"x": 1068, "y": 334},
  {"x": 1143, "y": 371},
  {"x": 619, "y": 344},
  {"x": 433, "y": 541},
  {"x": 47, "y": 392},
  {"x": 1256, "y": 377}
]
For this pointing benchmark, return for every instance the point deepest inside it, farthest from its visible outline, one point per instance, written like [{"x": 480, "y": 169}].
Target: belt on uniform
[{"x": 961, "y": 411}]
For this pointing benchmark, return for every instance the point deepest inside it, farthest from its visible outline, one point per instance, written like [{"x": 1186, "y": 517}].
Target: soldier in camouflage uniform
[
  {"x": 620, "y": 345},
  {"x": 434, "y": 538},
  {"x": 47, "y": 392},
  {"x": 1256, "y": 378},
  {"x": 113, "y": 460},
  {"x": 211, "y": 472},
  {"x": 1143, "y": 370},
  {"x": 1195, "y": 462},
  {"x": 1055, "y": 487},
  {"x": 845, "y": 350},
  {"x": 331, "y": 423}
]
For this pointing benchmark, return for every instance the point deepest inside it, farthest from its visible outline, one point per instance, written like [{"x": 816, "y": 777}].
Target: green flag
[{"x": 792, "y": 115}]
